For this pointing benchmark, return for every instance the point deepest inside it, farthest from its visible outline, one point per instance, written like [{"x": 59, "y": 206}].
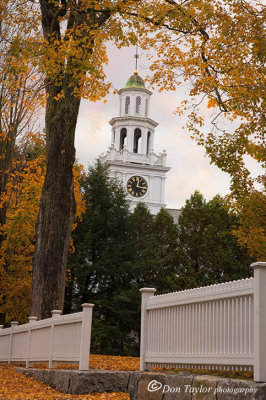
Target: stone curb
[
  {"x": 80, "y": 382},
  {"x": 149, "y": 385}
]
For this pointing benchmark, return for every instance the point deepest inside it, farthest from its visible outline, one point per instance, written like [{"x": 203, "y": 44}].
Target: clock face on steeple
[{"x": 137, "y": 186}]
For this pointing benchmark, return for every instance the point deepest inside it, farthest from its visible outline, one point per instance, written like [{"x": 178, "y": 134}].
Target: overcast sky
[{"x": 190, "y": 169}]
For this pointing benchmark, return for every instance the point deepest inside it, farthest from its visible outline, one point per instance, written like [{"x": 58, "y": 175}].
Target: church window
[
  {"x": 127, "y": 103},
  {"x": 146, "y": 107},
  {"x": 123, "y": 136},
  {"x": 138, "y": 103},
  {"x": 137, "y": 136}
]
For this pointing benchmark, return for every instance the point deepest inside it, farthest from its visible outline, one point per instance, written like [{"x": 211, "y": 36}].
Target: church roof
[{"x": 135, "y": 81}]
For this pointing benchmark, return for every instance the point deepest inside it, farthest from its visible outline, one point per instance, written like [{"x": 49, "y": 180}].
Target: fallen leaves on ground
[
  {"x": 16, "y": 386},
  {"x": 114, "y": 363},
  {"x": 98, "y": 361}
]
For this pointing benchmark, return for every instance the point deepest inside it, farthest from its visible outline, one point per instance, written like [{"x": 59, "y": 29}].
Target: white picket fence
[
  {"x": 221, "y": 326},
  {"x": 62, "y": 338}
]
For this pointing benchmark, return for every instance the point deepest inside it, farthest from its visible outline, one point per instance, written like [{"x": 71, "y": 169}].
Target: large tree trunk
[{"x": 57, "y": 205}]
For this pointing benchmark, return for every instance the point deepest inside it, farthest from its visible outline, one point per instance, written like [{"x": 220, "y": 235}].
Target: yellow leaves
[
  {"x": 22, "y": 197},
  {"x": 211, "y": 103},
  {"x": 251, "y": 231},
  {"x": 99, "y": 361},
  {"x": 59, "y": 95},
  {"x": 78, "y": 172},
  {"x": 114, "y": 363},
  {"x": 15, "y": 386}
]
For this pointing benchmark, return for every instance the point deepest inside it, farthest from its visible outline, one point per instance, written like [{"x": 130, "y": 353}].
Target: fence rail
[
  {"x": 62, "y": 338},
  {"x": 221, "y": 326}
]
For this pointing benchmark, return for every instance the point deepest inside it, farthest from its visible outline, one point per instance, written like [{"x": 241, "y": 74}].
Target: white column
[
  {"x": 130, "y": 138},
  {"x": 55, "y": 314},
  {"x": 144, "y": 135},
  {"x": 13, "y": 326},
  {"x": 163, "y": 189},
  {"x": 31, "y": 321},
  {"x": 152, "y": 141},
  {"x": 259, "y": 321},
  {"x": 113, "y": 137},
  {"x": 117, "y": 138},
  {"x": 146, "y": 293},
  {"x": 85, "y": 340}
]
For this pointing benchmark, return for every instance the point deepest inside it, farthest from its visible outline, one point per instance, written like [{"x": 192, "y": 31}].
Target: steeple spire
[{"x": 136, "y": 57}]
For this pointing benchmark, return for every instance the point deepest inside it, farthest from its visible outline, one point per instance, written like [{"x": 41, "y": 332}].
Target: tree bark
[{"x": 57, "y": 205}]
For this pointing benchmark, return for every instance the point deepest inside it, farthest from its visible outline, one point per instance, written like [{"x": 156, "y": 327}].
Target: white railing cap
[
  {"x": 258, "y": 264},
  {"x": 33, "y": 319},
  {"x": 87, "y": 305},
  {"x": 56, "y": 313},
  {"x": 147, "y": 290}
]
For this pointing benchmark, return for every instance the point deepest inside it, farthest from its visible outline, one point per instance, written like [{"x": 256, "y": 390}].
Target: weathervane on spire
[{"x": 136, "y": 57}]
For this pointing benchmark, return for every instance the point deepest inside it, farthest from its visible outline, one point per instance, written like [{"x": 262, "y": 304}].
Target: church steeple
[
  {"x": 133, "y": 128},
  {"x": 131, "y": 155}
]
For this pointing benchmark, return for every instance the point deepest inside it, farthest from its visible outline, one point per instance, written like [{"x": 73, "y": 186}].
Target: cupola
[{"x": 135, "y": 81}]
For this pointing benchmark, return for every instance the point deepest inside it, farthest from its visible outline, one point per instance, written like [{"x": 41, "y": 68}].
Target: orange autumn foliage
[
  {"x": 114, "y": 363},
  {"x": 21, "y": 86},
  {"x": 99, "y": 361},
  {"x": 251, "y": 231},
  {"x": 216, "y": 49},
  {"x": 22, "y": 197}
]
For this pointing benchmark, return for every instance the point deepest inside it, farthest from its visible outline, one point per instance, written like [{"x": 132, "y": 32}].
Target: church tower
[{"x": 131, "y": 157}]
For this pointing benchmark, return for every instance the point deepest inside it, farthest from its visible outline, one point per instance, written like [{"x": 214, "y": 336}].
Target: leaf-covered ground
[
  {"x": 113, "y": 363},
  {"x": 15, "y": 386},
  {"x": 97, "y": 361}
]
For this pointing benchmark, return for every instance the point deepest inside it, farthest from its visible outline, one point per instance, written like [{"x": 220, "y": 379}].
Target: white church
[{"x": 131, "y": 157}]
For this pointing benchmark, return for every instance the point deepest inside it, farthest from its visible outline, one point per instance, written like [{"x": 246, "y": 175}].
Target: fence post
[
  {"x": 13, "y": 325},
  {"x": 146, "y": 293},
  {"x": 85, "y": 339},
  {"x": 31, "y": 320},
  {"x": 55, "y": 314},
  {"x": 259, "y": 321}
]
